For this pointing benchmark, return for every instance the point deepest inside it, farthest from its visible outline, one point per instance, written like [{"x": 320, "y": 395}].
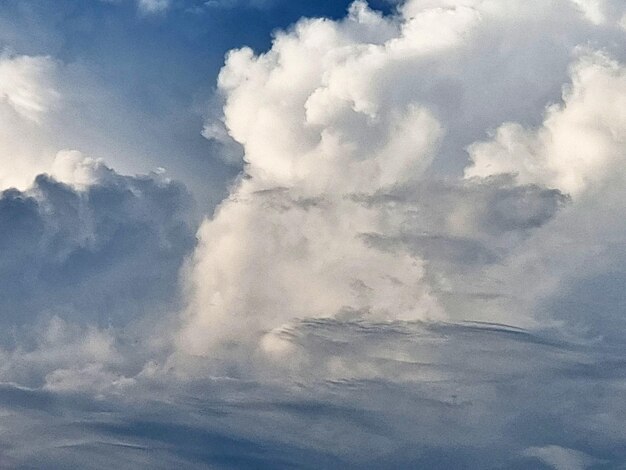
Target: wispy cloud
[{"x": 153, "y": 6}]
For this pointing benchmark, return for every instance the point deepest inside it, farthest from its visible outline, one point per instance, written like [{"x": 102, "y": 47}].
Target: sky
[{"x": 313, "y": 234}]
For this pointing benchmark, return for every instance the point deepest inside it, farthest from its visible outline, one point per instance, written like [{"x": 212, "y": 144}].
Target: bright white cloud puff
[{"x": 339, "y": 112}]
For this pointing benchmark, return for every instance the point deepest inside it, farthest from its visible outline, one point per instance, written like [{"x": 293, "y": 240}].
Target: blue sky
[{"x": 312, "y": 234}]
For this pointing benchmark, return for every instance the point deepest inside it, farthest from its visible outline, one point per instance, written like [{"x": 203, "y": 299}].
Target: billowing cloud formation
[
  {"x": 411, "y": 184},
  {"x": 580, "y": 143},
  {"x": 94, "y": 232},
  {"x": 421, "y": 265},
  {"x": 346, "y": 127},
  {"x": 85, "y": 250}
]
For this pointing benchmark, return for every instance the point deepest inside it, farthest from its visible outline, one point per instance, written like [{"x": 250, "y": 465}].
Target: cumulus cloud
[
  {"x": 42, "y": 102},
  {"x": 581, "y": 142},
  {"x": 106, "y": 235},
  {"x": 423, "y": 257},
  {"x": 90, "y": 251},
  {"x": 89, "y": 263},
  {"x": 413, "y": 186},
  {"x": 346, "y": 126}
]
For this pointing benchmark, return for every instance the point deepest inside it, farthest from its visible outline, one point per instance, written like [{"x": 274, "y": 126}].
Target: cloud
[
  {"x": 87, "y": 255},
  {"x": 580, "y": 142},
  {"x": 431, "y": 395},
  {"x": 579, "y": 150},
  {"x": 421, "y": 264},
  {"x": 560, "y": 458},
  {"x": 600, "y": 12},
  {"x": 338, "y": 114},
  {"x": 27, "y": 85},
  {"x": 414, "y": 214},
  {"x": 28, "y": 95},
  {"x": 153, "y": 6}
]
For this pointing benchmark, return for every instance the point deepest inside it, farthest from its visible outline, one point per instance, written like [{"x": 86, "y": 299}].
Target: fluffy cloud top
[
  {"x": 580, "y": 143},
  {"x": 338, "y": 114},
  {"x": 421, "y": 264}
]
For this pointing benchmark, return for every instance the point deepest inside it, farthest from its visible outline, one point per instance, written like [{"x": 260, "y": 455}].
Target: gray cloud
[
  {"x": 414, "y": 394},
  {"x": 106, "y": 254}
]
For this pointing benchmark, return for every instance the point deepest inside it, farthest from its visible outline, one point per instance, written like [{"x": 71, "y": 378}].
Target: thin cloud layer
[
  {"x": 28, "y": 94},
  {"x": 25, "y": 85},
  {"x": 431, "y": 395},
  {"x": 153, "y": 6}
]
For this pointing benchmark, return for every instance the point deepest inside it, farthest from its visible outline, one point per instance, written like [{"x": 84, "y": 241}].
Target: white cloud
[
  {"x": 72, "y": 167},
  {"x": 338, "y": 113},
  {"x": 347, "y": 294},
  {"x": 27, "y": 85},
  {"x": 592, "y": 9},
  {"x": 601, "y": 12},
  {"x": 560, "y": 458},
  {"x": 153, "y": 6},
  {"x": 581, "y": 142},
  {"x": 28, "y": 96}
]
